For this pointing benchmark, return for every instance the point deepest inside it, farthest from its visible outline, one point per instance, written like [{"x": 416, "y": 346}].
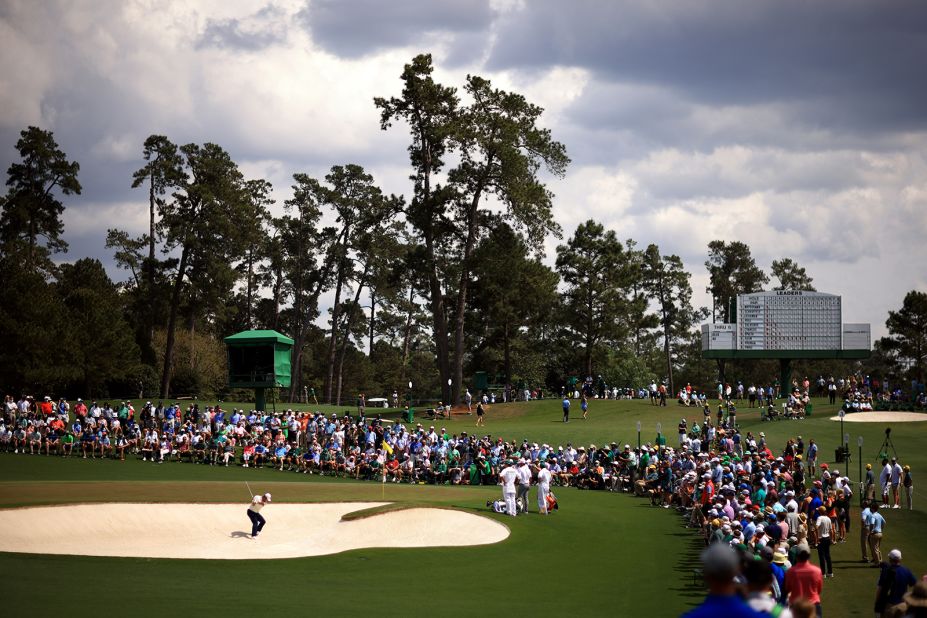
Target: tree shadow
[{"x": 688, "y": 567}]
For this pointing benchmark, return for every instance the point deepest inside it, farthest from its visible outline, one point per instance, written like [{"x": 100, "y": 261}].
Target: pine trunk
[
  {"x": 346, "y": 337},
  {"x": 150, "y": 267},
  {"x": 666, "y": 343},
  {"x": 172, "y": 324},
  {"x": 439, "y": 317},
  {"x": 333, "y": 340},
  {"x": 407, "y": 333},
  {"x": 460, "y": 318},
  {"x": 250, "y": 293},
  {"x": 507, "y": 353},
  {"x": 373, "y": 317}
]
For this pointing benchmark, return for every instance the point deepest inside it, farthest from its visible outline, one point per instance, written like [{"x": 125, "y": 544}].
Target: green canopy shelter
[{"x": 259, "y": 359}]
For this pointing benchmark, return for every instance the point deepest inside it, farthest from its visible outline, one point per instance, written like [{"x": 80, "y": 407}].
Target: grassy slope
[{"x": 601, "y": 553}]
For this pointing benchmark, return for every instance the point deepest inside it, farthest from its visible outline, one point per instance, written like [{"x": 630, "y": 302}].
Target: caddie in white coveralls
[
  {"x": 507, "y": 478},
  {"x": 543, "y": 487}
]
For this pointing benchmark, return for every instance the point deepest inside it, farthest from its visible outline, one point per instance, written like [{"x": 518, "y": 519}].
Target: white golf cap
[{"x": 267, "y": 496}]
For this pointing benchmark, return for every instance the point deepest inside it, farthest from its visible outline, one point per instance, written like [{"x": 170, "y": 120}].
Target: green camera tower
[{"x": 259, "y": 359}]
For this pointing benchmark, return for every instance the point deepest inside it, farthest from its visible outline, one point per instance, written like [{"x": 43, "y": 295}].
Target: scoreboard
[
  {"x": 789, "y": 320},
  {"x": 787, "y": 324},
  {"x": 719, "y": 336}
]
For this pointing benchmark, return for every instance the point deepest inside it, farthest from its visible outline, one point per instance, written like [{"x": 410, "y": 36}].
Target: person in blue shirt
[
  {"x": 876, "y": 528},
  {"x": 566, "y": 410},
  {"x": 720, "y": 565},
  {"x": 260, "y": 452},
  {"x": 894, "y": 581}
]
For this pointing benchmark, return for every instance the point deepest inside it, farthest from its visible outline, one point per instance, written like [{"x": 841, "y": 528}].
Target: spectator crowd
[{"x": 769, "y": 507}]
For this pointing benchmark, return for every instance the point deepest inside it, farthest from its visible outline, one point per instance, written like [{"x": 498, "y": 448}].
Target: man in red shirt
[
  {"x": 804, "y": 581},
  {"x": 708, "y": 490},
  {"x": 46, "y": 407}
]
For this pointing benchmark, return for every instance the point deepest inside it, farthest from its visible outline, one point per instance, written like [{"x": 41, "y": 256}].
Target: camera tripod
[{"x": 887, "y": 444}]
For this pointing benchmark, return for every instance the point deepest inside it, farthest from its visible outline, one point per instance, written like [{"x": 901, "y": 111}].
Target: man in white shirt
[
  {"x": 507, "y": 478},
  {"x": 885, "y": 478},
  {"x": 896, "y": 474},
  {"x": 569, "y": 455},
  {"x": 824, "y": 528},
  {"x": 254, "y": 514},
  {"x": 543, "y": 488},
  {"x": 524, "y": 485}
]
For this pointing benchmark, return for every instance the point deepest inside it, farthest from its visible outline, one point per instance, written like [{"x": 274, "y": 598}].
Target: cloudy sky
[{"x": 797, "y": 127}]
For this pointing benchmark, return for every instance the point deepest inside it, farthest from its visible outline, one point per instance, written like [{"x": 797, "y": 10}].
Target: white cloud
[
  {"x": 89, "y": 218},
  {"x": 651, "y": 163}
]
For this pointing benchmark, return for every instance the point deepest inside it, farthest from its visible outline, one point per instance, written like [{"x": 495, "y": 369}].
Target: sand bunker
[
  {"x": 223, "y": 531},
  {"x": 882, "y": 417}
]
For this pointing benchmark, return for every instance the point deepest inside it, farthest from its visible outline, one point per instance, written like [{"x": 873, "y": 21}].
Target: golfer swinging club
[{"x": 254, "y": 514}]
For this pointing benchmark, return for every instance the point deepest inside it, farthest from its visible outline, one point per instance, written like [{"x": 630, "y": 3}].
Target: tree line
[{"x": 429, "y": 287}]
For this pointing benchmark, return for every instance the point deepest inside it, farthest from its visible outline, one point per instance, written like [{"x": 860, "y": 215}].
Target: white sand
[
  {"x": 223, "y": 531},
  {"x": 882, "y": 417}
]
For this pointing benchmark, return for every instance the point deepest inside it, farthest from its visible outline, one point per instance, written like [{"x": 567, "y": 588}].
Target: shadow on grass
[
  {"x": 853, "y": 564},
  {"x": 688, "y": 567}
]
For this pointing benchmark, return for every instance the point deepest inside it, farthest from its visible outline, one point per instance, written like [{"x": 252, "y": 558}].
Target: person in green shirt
[
  {"x": 228, "y": 452},
  {"x": 67, "y": 444},
  {"x": 485, "y": 469},
  {"x": 474, "y": 472},
  {"x": 326, "y": 458},
  {"x": 293, "y": 457},
  {"x": 759, "y": 496},
  {"x": 440, "y": 471},
  {"x": 374, "y": 468},
  {"x": 215, "y": 447}
]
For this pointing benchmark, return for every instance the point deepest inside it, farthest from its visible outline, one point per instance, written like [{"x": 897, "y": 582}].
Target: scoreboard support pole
[{"x": 785, "y": 376}]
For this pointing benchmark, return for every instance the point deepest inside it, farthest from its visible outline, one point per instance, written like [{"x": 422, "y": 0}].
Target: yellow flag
[{"x": 387, "y": 447}]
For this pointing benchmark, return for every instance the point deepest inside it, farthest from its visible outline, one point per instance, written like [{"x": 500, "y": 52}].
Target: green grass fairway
[{"x": 601, "y": 554}]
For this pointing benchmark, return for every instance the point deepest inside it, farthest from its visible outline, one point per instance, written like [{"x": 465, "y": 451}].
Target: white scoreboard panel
[
  {"x": 856, "y": 337},
  {"x": 719, "y": 336},
  {"x": 789, "y": 320}
]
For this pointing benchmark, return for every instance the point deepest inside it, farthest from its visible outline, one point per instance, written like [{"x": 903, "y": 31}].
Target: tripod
[{"x": 887, "y": 444}]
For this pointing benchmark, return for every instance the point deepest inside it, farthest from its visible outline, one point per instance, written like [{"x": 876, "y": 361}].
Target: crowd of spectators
[{"x": 773, "y": 503}]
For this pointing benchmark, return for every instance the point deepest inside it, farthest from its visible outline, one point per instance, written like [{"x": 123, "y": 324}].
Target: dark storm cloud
[
  {"x": 355, "y": 28},
  {"x": 846, "y": 65},
  {"x": 254, "y": 33}
]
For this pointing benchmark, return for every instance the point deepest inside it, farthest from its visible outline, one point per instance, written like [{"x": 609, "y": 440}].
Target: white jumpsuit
[
  {"x": 543, "y": 489},
  {"x": 508, "y": 476}
]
